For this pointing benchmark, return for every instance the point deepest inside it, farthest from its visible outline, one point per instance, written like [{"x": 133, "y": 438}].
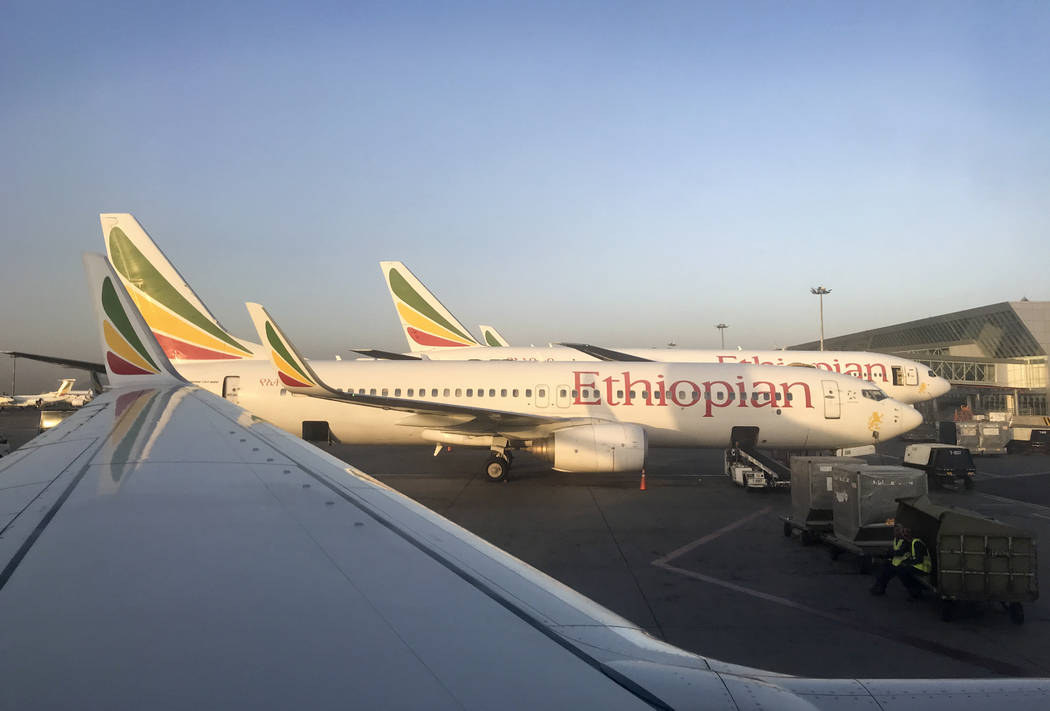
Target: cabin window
[
  {"x": 447, "y": 392},
  {"x": 619, "y": 393},
  {"x": 514, "y": 392},
  {"x": 361, "y": 391},
  {"x": 481, "y": 392},
  {"x": 397, "y": 392},
  {"x": 470, "y": 392},
  {"x": 459, "y": 392},
  {"x": 434, "y": 392},
  {"x": 528, "y": 392},
  {"x": 541, "y": 393},
  {"x": 372, "y": 391},
  {"x": 385, "y": 392},
  {"x": 411, "y": 392},
  {"x": 503, "y": 392},
  {"x": 575, "y": 395}
]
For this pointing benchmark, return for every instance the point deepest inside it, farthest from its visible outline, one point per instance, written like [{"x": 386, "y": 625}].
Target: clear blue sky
[{"x": 621, "y": 173}]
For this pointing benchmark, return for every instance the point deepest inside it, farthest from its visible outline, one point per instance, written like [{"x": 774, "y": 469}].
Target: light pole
[
  {"x": 722, "y": 332},
  {"x": 820, "y": 291}
]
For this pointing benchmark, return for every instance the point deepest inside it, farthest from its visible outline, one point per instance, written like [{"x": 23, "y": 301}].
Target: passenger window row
[{"x": 587, "y": 393}]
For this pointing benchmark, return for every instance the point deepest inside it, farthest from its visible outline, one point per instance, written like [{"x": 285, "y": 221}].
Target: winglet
[
  {"x": 427, "y": 324},
  {"x": 182, "y": 324},
  {"x": 131, "y": 353},
  {"x": 295, "y": 373},
  {"x": 492, "y": 337}
]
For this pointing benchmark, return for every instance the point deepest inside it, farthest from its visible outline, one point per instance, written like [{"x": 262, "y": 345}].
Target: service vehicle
[{"x": 943, "y": 463}]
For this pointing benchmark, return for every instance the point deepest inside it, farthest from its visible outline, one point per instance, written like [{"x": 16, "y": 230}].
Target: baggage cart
[
  {"x": 975, "y": 558},
  {"x": 864, "y": 508},
  {"x": 943, "y": 463},
  {"x": 812, "y": 496}
]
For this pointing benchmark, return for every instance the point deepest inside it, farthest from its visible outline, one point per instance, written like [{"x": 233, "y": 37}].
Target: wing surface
[{"x": 604, "y": 353}]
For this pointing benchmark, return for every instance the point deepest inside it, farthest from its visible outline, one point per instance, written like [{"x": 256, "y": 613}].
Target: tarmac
[{"x": 705, "y": 565}]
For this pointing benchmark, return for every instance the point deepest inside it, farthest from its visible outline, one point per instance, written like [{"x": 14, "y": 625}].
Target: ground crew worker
[{"x": 911, "y": 561}]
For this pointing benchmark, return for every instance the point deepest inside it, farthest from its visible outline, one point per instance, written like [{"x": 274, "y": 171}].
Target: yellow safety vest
[{"x": 925, "y": 565}]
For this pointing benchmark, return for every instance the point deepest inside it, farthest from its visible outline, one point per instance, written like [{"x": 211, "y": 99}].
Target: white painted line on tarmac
[
  {"x": 1014, "y": 502},
  {"x": 662, "y": 562}
]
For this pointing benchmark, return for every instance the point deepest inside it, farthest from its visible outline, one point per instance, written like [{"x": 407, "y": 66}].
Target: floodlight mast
[
  {"x": 722, "y": 332},
  {"x": 820, "y": 291}
]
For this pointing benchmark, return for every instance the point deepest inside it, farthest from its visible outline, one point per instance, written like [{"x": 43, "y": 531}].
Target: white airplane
[
  {"x": 434, "y": 333},
  {"x": 64, "y": 394},
  {"x": 181, "y": 553},
  {"x": 598, "y": 417}
]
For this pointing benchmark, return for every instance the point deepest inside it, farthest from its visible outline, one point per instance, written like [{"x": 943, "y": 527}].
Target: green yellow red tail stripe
[
  {"x": 181, "y": 324},
  {"x": 125, "y": 354},
  {"x": 426, "y": 322}
]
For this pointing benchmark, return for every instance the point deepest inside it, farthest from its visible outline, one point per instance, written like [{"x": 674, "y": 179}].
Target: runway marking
[
  {"x": 663, "y": 563},
  {"x": 710, "y": 537},
  {"x": 989, "y": 663},
  {"x": 1013, "y": 502}
]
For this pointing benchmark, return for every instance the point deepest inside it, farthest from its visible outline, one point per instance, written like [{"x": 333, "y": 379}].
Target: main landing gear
[{"x": 498, "y": 465}]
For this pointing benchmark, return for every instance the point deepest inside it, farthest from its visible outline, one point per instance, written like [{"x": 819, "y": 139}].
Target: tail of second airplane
[
  {"x": 65, "y": 386},
  {"x": 427, "y": 324},
  {"x": 181, "y": 323}
]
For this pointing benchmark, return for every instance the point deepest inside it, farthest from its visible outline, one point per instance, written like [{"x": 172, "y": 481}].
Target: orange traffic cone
[{"x": 641, "y": 487}]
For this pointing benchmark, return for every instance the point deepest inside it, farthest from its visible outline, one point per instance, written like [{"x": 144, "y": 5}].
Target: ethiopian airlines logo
[
  {"x": 291, "y": 372},
  {"x": 421, "y": 320},
  {"x": 875, "y": 421},
  {"x": 125, "y": 354}
]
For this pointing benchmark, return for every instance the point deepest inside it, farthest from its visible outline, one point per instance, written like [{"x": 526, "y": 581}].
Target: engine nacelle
[{"x": 607, "y": 447}]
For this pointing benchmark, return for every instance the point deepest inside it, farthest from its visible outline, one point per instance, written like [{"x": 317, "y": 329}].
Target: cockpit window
[
  {"x": 874, "y": 394},
  {"x": 931, "y": 373}
]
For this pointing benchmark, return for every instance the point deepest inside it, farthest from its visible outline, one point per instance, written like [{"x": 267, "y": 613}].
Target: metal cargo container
[
  {"x": 865, "y": 500},
  {"x": 968, "y": 434},
  {"x": 974, "y": 558},
  {"x": 811, "y": 489}
]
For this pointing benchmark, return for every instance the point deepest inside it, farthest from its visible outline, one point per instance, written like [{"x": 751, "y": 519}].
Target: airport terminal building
[{"x": 995, "y": 356}]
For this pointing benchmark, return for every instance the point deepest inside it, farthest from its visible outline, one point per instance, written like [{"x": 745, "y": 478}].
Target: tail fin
[
  {"x": 180, "y": 321},
  {"x": 65, "y": 386},
  {"x": 492, "y": 337},
  {"x": 132, "y": 355},
  {"x": 295, "y": 373},
  {"x": 427, "y": 324}
]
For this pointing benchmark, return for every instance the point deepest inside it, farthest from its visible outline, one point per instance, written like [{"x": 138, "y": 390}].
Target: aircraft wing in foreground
[{"x": 165, "y": 549}]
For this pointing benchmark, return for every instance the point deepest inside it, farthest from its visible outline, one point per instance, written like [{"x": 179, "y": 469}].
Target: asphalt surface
[{"x": 704, "y": 564}]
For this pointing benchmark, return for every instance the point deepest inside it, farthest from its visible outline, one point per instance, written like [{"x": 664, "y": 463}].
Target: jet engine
[{"x": 606, "y": 447}]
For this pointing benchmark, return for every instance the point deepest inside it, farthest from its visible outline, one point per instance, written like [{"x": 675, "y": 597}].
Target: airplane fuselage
[
  {"x": 678, "y": 404},
  {"x": 904, "y": 380}
]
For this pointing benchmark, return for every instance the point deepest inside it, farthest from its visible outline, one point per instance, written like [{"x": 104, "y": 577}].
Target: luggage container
[
  {"x": 992, "y": 437},
  {"x": 975, "y": 558},
  {"x": 968, "y": 434},
  {"x": 943, "y": 463},
  {"x": 812, "y": 495},
  {"x": 865, "y": 506}
]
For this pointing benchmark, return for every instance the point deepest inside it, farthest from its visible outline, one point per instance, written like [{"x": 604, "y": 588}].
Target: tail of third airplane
[
  {"x": 182, "y": 324},
  {"x": 492, "y": 337},
  {"x": 65, "y": 386},
  {"x": 427, "y": 324}
]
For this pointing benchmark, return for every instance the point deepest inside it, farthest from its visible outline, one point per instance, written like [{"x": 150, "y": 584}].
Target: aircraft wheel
[{"x": 496, "y": 469}]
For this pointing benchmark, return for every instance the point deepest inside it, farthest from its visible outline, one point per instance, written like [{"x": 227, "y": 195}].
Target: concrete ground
[{"x": 704, "y": 564}]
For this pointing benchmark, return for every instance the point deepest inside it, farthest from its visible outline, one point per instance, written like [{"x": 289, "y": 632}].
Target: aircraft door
[
  {"x": 564, "y": 395},
  {"x": 231, "y": 385},
  {"x": 911, "y": 376},
  {"x": 832, "y": 404},
  {"x": 542, "y": 395}
]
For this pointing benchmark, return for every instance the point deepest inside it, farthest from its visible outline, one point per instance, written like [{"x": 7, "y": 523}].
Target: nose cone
[
  {"x": 939, "y": 386},
  {"x": 910, "y": 419}
]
